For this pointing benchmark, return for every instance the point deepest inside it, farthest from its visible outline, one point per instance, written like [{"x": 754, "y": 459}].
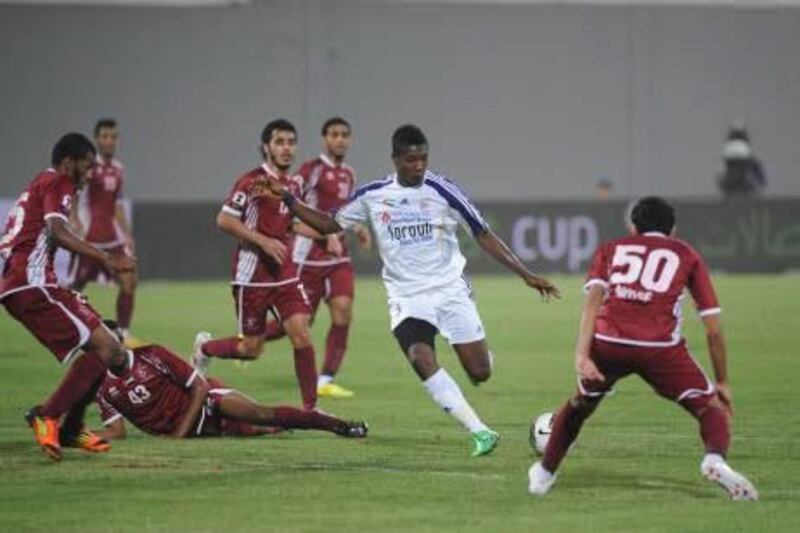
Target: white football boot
[
  {"x": 714, "y": 468},
  {"x": 199, "y": 359},
  {"x": 539, "y": 480}
]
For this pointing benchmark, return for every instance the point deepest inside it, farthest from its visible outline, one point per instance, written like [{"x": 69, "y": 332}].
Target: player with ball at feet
[
  {"x": 630, "y": 325},
  {"x": 415, "y": 214}
]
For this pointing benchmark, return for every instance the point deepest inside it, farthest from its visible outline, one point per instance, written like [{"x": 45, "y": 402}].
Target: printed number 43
[{"x": 654, "y": 270}]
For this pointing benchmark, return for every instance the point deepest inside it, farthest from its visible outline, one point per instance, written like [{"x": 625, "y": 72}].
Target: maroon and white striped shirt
[
  {"x": 267, "y": 215},
  {"x": 26, "y": 246}
]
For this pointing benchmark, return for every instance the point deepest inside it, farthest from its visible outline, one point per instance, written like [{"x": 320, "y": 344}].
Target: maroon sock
[
  {"x": 82, "y": 377},
  {"x": 291, "y": 417},
  {"x": 227, "y": 348},
  {"x": 714, "y": 424},
  {"x": 124, "y": 309},
  {"x": 306, "y": 369},
  {"x": 715, "y": 430},
  {"x": 335, "y": 347},
  {"x": 274, "y": 330},
  {"x": 566, "y": 427},
  {"x": 73, "y": 422}
]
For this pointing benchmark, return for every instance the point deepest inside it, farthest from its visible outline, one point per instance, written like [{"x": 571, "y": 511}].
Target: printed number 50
[{"x": 654, "y": 271}]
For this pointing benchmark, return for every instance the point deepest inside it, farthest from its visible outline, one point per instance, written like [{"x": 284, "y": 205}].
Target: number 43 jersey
[
  {"x": 153, "y": 393},
  {"x": 644, "y": 278}
]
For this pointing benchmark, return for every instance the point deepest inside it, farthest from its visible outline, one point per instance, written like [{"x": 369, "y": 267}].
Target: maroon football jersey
[
  {"x": 100, "y": 198},
  {"x": 152, "y": 394},
  {"x": 25, "y": 246},
  {"x": 267, "y": 215},
  {"x": 644, "y": 278},
  {"x": 326, "y": 186}
]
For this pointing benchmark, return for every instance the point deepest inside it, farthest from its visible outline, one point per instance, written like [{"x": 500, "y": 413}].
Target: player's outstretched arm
[
  {"x": 591, "y": 308},
  {"x": 63, "y": 235},
  {"x": 719, "y": 358},
  {"x": 495, "y": 247},
  {"x": 318, "y": 220},
  {"x": 198, "y": 393}
]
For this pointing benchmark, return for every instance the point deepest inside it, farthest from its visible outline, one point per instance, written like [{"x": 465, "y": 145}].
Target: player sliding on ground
[
  {"x": 631, "y": 325},
  {"x": 415, "y": 214},
  {"x": 162, "y": 394}
]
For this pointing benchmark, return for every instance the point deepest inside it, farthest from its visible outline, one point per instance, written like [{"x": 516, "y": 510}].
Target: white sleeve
[{"x": 353, "y": 212}]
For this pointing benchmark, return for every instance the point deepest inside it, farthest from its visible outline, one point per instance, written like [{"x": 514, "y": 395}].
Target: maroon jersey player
[
  {"x": 58, "y": 318},
  {"x": 161, "y": 394},
  {"x": 631, "y": 325},
  {"x": 107, "y": 227},
  {"x": 326, "y": 270},
  {"x": 264, "y": 276}
]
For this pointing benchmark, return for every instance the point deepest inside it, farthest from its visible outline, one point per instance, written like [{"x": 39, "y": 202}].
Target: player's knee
[
  {"x": 699, "y": 405},
  {"x": 341, "y": 311},
  {"x": 300, "y": 337},
  {"x": 585, "y": 404},
  {"x": 481, "y": 372}
]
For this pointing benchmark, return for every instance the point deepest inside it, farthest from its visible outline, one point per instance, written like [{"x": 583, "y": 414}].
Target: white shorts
[{"x": 451, "y": 309}]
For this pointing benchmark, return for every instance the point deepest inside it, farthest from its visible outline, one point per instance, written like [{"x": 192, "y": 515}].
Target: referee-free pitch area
[{"x": 634, "y": 468}]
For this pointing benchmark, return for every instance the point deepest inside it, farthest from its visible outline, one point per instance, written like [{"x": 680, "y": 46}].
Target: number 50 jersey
[{"x": 644, "y": 278}]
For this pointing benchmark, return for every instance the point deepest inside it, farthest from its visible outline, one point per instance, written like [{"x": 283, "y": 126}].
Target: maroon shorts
[
  {"x": 59, "y": 318},
  {"x": 671, "y": 371},
  {"x": 83, "y": 269},
  {"x": 253, "y": 303},
  {"x": 326, "y": 282}
]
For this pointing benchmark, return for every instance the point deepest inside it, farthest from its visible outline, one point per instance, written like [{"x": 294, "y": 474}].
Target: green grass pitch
[{"x": 635, "y": 466}]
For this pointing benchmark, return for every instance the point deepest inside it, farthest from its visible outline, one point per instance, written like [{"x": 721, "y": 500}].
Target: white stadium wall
[{"x": 522, "y": 102}]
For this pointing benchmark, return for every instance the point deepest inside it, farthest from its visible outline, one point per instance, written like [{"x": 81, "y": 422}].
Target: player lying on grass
[
  {"x": 631, "y": 325},
  {"x": 162, "y": 394}
]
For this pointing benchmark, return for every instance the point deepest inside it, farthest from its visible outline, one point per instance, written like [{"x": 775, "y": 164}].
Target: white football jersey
[{"x": 416, "y": 230}]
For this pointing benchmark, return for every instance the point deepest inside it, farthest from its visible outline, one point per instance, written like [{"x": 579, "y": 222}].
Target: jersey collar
[
  {"x": 653, "y": 234},
  {"x": 271, "y": 172},
  {"x": 328, "y": 161}
]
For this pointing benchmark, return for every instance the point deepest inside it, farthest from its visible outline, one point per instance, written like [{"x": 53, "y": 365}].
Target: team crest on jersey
[
  {"x": 386, "y": 217},
  {"x": 330, "y": 176}
]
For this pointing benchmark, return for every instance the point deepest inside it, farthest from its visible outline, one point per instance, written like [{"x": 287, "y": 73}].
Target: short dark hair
[
  {"x": 73, "y": 146},
  {"x": 104, "y": 123},
  {"x": 406, "y": 136},
  {"x": 653, "y": 213},
  {"x": 280, "y": 124},
  {"x": 335, "y": 121}
]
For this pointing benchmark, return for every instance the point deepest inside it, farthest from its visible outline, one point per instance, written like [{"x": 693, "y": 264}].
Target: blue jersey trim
[{"x": 458, "y": 201}]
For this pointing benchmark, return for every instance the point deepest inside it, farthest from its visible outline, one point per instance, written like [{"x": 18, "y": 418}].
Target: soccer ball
[{"x": 540, "y": 432}]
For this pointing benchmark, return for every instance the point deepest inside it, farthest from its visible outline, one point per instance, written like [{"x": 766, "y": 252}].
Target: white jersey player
[{"x": 415, "y": 215}]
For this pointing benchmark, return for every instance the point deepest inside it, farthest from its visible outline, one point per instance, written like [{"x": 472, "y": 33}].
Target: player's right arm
[
  {"x": 319, "y": 221},
  {"x": 232, "y": 225},
  {"x": 62, "y": 234},
  {"x": 113, "y": 431},
  {"x": 591, "y": 308}
]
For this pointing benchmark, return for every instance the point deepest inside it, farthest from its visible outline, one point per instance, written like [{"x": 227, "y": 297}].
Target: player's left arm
[
  {"x": 122, "y": 223},
  {"x": 500, "y": 252},
  {"x": 704, "y": 295}
]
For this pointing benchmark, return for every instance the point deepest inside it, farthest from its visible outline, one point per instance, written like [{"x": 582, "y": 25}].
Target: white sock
[
  {"x": 446, "y": 393},
  {"x": 324, "y": 379}
]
